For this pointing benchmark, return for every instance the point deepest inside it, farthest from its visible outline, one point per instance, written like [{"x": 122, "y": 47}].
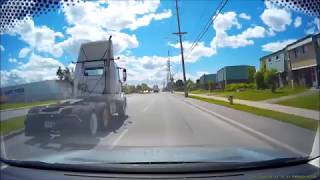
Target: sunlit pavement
[{"x": 164, "y": 120}]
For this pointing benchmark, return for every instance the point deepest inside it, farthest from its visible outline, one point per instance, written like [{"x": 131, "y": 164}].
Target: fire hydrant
[{"x": 230, "y": 98}]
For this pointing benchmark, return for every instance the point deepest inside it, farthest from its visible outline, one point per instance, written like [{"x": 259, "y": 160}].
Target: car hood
[{"x": 162, "y": 155}]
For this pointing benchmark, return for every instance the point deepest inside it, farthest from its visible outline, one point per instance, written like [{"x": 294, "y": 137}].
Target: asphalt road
[{"x": 154, "y": 120}]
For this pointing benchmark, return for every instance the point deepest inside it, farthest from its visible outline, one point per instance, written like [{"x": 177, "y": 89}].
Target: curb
[
  {"x": 249, "y": 130},
  {"x": 12, "y": 134}
]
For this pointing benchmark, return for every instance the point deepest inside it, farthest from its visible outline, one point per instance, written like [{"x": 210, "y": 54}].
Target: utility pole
[
  {"x": 181, "y": 49},
  {"x": 168, "y": 72}
]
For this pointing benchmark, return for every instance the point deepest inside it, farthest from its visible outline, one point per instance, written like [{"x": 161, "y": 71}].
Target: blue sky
[{"x": 142, "y": 34}]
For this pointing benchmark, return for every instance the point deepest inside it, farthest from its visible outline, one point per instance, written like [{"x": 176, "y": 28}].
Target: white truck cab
[{"x": 97, "y": 95}]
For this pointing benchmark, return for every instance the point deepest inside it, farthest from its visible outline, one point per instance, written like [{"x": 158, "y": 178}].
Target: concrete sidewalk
[{"x": 274, "y": 107}]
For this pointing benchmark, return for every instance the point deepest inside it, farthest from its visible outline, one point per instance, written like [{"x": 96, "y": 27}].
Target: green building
[
  {"x": 233, "y": 74},
  {"x": 205, "y": 79}
]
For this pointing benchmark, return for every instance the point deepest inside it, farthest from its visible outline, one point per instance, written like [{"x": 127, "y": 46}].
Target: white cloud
[
  {"x": 12, "y": 60},
  {"x": 275, "y": 46},
  {"x": 1, "y": 48},
  {"x": 276, "y": 19},
  {"x": 145, "y": 20},
  {"x": 244, "y": 16},
  {"x": 226, "y": 21},
  {"x": 89, "y": 21},
  {"x": 24, "y": 52},
  {"x": 40, "y": 38},
  {"x": 38, "y": 68},
  {"x": 113, "y": 15},
  {"x": 297, "y": 22},
  {"x": 198, "y": 52}
]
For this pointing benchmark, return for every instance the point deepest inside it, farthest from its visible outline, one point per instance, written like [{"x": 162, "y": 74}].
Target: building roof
[
  {"x": 299, "y": 40},
  {"x": 272, "y": 54},
  {"x": 306, "y": 37}
]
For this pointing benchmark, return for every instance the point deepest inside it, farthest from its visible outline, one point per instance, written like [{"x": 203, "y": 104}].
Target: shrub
[
  {"x": 236, "y": 86},
  {"x": 270, "y": 79},
  {"x": 259, "y": 80}
]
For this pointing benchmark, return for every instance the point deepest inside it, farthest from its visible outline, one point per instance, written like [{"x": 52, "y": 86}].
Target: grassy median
[
  {"x": 288, "y": 118},
  {"x": 11, "y": 125},
  {"x": 24, "y": 104}
]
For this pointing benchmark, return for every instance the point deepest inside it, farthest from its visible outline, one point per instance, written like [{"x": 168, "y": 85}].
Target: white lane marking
[
  {"x": 148, "y": 106},
  {"x": 116, "y": 141},
  {"x": 250, "y": 130}
]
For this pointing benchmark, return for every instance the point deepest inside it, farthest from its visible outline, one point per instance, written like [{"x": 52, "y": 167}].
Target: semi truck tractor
[{"x": 97, "y": 96}]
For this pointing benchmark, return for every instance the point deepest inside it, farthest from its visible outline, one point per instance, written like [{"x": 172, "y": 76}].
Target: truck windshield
[{"x": 93, "y": 71}]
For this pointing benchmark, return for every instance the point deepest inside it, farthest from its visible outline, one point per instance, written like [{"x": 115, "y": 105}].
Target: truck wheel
[
  {"x": 93, "y": 125},
  {"x": 106, "y": 119}
]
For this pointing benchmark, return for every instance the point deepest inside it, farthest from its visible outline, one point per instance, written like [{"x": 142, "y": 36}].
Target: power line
[{"x": 213, "y": 17}]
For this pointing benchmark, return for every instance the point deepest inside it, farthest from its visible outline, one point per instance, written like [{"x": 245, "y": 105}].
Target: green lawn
[
  {"x": 311, "y": 101},
  {"x": 253, "y": 94},
  {"x": 288, "y": 118},
  {"x": 11, "y": 125},
  {"x": 20, "y": 105}
]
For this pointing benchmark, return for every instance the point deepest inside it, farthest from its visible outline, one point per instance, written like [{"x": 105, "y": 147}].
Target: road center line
[
  {"x": 249, "y": 130},
  {"x": 116, "y": 141},
  {"x": 148, "y": 106}
]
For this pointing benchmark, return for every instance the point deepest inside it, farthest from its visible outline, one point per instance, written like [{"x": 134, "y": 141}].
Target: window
[
  {"x": 95, "y": 71},
  {"x": 269, "y": 60},
  {"x": 303, "y": 49},
  {"x": 295, "y": 52}
]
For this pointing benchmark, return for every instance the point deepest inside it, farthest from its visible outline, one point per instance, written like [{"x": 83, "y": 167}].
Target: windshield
[
  {"x": 98, "y": 71},
  {"x": 159, "y": 81}
]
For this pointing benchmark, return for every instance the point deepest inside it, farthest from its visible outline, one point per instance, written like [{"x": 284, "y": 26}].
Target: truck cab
[{"x": 97, "y": 95}]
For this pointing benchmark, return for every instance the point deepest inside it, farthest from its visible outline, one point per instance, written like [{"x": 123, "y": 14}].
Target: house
[
  {"x": 36, "y": 91},
  {"x": 297, "y": 63},
  {"x": 303, "y": 58},
  {"x": 233, "y": 74},
  {"x": 277, "y": 61},
  {"x": 205, "y": 79}
]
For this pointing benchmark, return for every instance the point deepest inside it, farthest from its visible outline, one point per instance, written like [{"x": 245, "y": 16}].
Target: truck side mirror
[{"x": 124, "y": 74}]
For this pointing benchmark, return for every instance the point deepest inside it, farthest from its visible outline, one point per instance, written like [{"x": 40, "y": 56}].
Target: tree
[
  {"x": 138, "y": 88},
  {"x": 190, "y": 85},
  {"x": 60, "y": 73},
  {"x": 67, "y": 75},
  {"x": 210, "y": 85},
  {"x": 270, "y": 79},
  {"x": 145, "y": 87},
  {"x": 251, "y": 72},
  {"x": 128, "y": 89},
  {"x": 259, "y": 80}
]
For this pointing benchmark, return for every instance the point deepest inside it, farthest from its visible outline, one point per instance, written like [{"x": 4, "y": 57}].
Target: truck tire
[
  {"x": 93, "y": 124},
  {"x": 105, "y": 120}
]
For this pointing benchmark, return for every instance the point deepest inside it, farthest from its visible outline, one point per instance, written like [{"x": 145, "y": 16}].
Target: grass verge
[
  {"x": 11, "y": 125},
  {"x": 20, "y": 105},
  {"x": 288, "y": 118},
  {"x": 311, "y": 101},
  {"x": 253, "y": 94}
]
